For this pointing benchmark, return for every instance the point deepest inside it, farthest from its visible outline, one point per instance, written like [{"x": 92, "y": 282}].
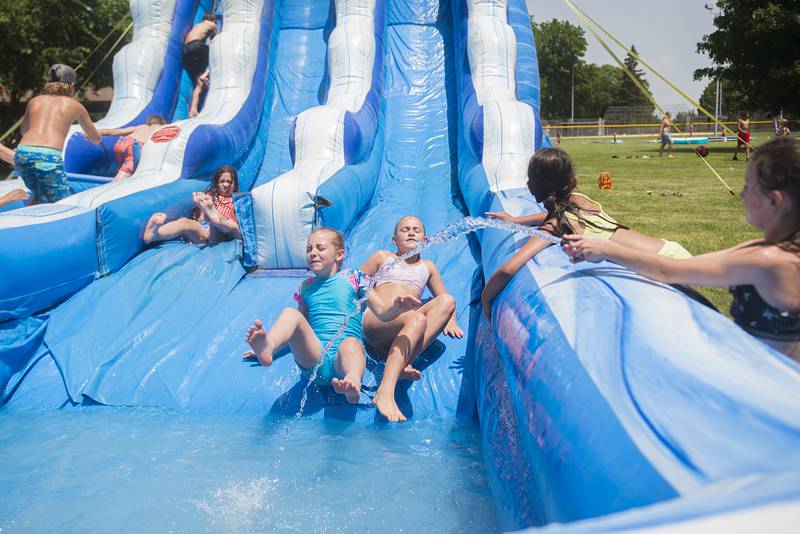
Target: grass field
[{"x": 703, "y": 216}]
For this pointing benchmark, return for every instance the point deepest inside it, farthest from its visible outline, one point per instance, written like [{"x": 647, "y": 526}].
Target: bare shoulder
[{"x": 430, "y": 265}]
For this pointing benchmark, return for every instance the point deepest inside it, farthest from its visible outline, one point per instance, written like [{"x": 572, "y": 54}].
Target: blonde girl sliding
[
  {"x": 407, "y": 336},
  {"x": 323, "y": 302}
]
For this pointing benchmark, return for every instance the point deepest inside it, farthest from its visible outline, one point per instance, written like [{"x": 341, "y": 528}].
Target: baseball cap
[{"x": 62, "y": 73}]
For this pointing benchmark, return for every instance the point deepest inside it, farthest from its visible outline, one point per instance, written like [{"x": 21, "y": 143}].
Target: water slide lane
[
  {"x": 298, "y": 76},
  {"x": 417, "y": 176}
]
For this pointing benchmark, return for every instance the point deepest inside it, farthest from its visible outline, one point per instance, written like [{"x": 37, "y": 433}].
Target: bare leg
[
  {"x": 661, "y": 149},
  {"x": 290, "y": 327},
  {"x": 637, "y": 240},
  {"x": 402, "y": 351},
  {"x": 350, "y": 362},
  {"x": 736, "y": 153},
  {"x": 195, "y": 102},
  {"x": 189, "y": 229},
  {"x": 669, "y": 150}
]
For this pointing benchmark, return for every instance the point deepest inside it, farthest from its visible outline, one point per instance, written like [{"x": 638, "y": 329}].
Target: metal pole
[
  {"x": 572, "y": 105},
  {"x": 717, "y": 104}
]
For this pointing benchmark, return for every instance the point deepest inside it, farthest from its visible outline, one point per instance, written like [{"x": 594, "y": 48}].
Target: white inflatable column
[
  {"x": 509, "y": 126},
  {"x": 284, "y": 208}
]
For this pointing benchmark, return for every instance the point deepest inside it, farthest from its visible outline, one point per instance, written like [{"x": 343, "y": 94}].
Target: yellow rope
[
  {"x": 638, "y": 83},
  {"x": 714, "y": 119},
  {"x": 96, "y": 48},
  {"x": 16, "y": 125}
]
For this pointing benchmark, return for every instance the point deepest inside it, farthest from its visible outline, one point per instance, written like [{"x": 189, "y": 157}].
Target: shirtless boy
[
  {"x": 127, "y": 149},
  {"x": 663, "y": 134},
  {"x": 195, "y": 57},
  {"x": 44, "y": 130}
]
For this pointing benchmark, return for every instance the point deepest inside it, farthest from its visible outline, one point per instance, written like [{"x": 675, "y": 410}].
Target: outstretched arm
[
  {"x": 437, "y": 287},
  {"x": 536, "y": 219},
  {"x": 739, "y": 265},
  {"x": 116, "y": 131},
  {"x": 506, "y": 272},
  {"x": 87, "y": 125}
]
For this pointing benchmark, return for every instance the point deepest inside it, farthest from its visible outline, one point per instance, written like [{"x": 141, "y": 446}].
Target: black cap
[{"x": 62, "y": 73}]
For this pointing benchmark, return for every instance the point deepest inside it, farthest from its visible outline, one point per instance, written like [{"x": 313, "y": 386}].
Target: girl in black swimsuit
[{"x": 764, "y": 275}]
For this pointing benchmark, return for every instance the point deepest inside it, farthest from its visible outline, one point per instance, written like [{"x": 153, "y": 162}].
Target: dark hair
[
  {"x": 777, "y": 168},
  {"x": 551, "y": 180},
  {"x": 210, "y": 16},
  {"x": 213, "y": 189},
  {"x": 155, "y": 119}
]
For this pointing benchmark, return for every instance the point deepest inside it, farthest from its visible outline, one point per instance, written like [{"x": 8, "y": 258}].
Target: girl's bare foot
[
  {"x": 349, "y": 387},
  {"x": 409, "y": 373},
  {"x": 261, "y": 346},
  {"x": 155, "y": 222},
  {"x": 388, "y": 407},
  {"x": 209, "y": 210}
]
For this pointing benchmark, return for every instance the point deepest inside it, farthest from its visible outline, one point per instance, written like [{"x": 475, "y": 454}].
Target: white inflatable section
[
  {"x": 284, "y": 208},
  {"x": 509, "y": 126},
  {"x": 232, "y": 63},
  {"x": 138, "y": 65}
]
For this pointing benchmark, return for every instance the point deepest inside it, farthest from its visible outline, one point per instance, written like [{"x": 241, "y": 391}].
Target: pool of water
[{"x": 134, "y": 470}]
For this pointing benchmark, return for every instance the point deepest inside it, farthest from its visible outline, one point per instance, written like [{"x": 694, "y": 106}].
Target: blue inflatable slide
[{"x": 606, "y": 402}]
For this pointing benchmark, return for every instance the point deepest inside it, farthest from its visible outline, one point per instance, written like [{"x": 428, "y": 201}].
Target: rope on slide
[
  {"x": 17, "y": 124},
  {"x": 638, "y": 83}
]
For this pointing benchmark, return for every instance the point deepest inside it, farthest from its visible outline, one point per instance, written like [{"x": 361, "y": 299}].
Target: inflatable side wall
[
  {"x": 35, "y": 282},
  {"x": 325, "y": 138},
  {"x": 590, "y": 402}
]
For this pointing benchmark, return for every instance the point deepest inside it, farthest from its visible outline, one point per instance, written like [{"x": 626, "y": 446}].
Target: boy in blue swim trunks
[
  {"x": 323, "y": 303},
  {"x": 45, "y": 126}
]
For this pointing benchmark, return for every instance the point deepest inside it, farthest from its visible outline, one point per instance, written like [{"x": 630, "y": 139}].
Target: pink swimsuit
[{"x": 415, "y": 275}]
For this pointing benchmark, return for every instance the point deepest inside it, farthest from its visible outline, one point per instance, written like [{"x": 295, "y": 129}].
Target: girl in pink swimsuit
[{"x": 407, "y": 336}]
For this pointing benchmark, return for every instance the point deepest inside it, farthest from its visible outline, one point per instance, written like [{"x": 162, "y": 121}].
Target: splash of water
[{"x": 445, "y": 235}]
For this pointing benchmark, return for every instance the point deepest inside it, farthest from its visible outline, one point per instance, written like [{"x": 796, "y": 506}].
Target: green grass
[{"x": 705, "y": 218}]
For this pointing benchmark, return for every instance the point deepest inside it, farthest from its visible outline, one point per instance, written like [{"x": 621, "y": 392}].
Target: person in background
[
  {"x": 195, "y": 57},
  {"x": 664, "y": 136},
  {"x": 47, "y": 120},
  {"x": 743, "y": 136},
  {"x": 128, "y": 148}
]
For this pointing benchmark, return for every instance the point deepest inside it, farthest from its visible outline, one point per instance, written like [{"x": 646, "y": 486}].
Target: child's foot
[
  {"x": 670, "y": 156},
  {"x": 735, "y": 158},
  {"x": 209, "y": 210},
  {"x": 349, "y": 387},
  {"x": 193, "y": 113},
  {"x": 409, "y": 373},
  {"x": 388, "y": 407},
  {"x": 261, "y": 346},
  {"x": 155, "y": 222}
]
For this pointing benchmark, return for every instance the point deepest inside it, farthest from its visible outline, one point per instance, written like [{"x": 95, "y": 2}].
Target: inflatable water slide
[{"x": 605, "y": 401}]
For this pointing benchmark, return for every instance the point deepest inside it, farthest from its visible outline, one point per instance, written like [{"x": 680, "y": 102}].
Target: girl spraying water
[
  {"x": 551, "y": 180},
  {"x": 407, "y": 336},
  {"x": 214, "y": 218},
  {"x": 763, "y": 275},
  {"x": 324, "y": 301}
]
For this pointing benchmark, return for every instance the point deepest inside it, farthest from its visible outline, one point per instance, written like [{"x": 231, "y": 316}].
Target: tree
[
  {"x": 560, "y": 46},
  {"x": 37, "y": 33},
  {"x": 629, "y": 94},
  {"x": 756, "y": 47},
  {"x": 733, "y": 100},
  {"x": 596, "y": 87}
]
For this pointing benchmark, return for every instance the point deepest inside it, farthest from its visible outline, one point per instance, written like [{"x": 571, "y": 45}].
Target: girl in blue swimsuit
[
  {"x": 763, "y": 275},
  {"x": 323, "y": 303}
]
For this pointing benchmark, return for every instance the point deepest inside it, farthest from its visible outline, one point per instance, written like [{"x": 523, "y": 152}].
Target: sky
[{"x": 665, "y": 32}]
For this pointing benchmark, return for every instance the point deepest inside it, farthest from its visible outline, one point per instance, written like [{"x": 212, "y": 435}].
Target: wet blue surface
[{"x": 138, "y": 470}]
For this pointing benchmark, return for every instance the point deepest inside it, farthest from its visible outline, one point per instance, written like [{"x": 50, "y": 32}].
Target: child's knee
[
  {"x": 447, "y": 302},
  {"x": 417, "y": 321}
]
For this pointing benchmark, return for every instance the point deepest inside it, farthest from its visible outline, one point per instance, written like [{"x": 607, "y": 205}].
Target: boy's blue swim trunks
[{"x": 42, "y": 170}]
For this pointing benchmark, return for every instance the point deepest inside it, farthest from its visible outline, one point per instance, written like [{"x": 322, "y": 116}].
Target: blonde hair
[
  {"x": 404, "y": 217},
  {"x": 337, "y": 238},
  {"x": 58, "y": 89}
]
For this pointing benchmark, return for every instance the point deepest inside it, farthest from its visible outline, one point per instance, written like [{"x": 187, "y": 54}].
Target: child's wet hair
[
  {"x": 155, "y": 119},
  {"x": 336, "y": 237},
  {"x": 777, "y": 168},
  {"x": 213, "y": 189},
  {"x": 404, "y": 217},
  {"x": 210, "y": 16},
  {"x": 58, "y": 89}
]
